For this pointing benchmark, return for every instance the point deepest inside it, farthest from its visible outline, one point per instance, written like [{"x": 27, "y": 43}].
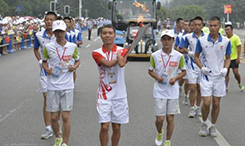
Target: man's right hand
[
  {"x": 40, "y": 63},
  {"x": 206, "y": 70},
  {"x": 159, "y": 79},
  {"x": 49, "y": 71}
]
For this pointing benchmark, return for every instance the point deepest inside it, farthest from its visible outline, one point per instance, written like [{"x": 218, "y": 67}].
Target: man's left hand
[
  {"x": 71, "y": 68},
  {"x": 172, "y": 81},
  {"x": 238, "y": 61}
]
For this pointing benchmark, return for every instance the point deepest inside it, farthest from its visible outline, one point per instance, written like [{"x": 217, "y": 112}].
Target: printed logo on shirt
[
  {"x": 173, "y": 64},
  {"x": 221, "y": 47},
  {"x": 67, "y": 58}
]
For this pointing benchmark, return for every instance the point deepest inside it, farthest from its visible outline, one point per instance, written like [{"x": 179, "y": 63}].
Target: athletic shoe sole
[{"x": 47, "y": 136}]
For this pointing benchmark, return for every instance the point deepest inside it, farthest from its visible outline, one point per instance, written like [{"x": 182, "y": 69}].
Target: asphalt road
[{"x": 21, "y": 121}]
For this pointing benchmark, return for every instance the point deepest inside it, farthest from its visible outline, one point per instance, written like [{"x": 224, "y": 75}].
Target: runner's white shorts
[
  {"x": 165, "y": 107},
  {"x": 114, "y": 111},
  {"x": 43, "y": 84},
  {"x": 59, "y": 100},
  {"x": 213, "y": 87},
  {"x": 193, "y": 76}
]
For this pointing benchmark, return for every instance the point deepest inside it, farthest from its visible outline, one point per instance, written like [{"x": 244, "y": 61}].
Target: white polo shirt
[
  {"x": 190, "y": 42},
  {"x": 40, "y": 40},
  {"x": 169, "y": 65},
  {"x": 55, "y": 53},
  {"x": 111, "y": 80},
  {"x": 213, "y": 54}
]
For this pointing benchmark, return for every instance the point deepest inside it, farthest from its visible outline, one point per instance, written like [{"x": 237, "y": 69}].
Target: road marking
[
  {"x": 11, "y": 112},
  {"x": 95, "y": 39},
  {"x": 219, "y": 139},
  {"x": 88, "y": 45},
  {"x": 21, "y": 144}
]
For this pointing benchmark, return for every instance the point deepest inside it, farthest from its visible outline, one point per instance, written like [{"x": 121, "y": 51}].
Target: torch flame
[
  {"x": 140, "y": 18},
  {"x": 137, "y": 4}
]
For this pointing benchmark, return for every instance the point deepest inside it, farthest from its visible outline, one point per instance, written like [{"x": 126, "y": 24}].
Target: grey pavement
[{"x": 21, "y": 121}]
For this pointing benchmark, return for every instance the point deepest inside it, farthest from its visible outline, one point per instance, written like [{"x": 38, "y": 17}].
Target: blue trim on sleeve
[
  {"x": 36, "y": 42},
  {"x": 79, "y": 36},
  {"x": 198, "y": 47},
  {"x": 177, "y": 41},
  {"x": 181, "y": 43},
  {"x": 186, "y": 43},
  {"x": 228, "y": 49}
]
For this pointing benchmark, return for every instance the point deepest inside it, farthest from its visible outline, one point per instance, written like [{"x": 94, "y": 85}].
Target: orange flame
[
  {"x": 140, "y": 18},
  {"x": 137, "y": 4}
]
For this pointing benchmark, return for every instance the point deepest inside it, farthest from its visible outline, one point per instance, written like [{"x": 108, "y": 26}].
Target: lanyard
[
  {"x": 108, "y": 55},
  {"x": 165, "y": 65},
  {"x": 62, "y": 53}
]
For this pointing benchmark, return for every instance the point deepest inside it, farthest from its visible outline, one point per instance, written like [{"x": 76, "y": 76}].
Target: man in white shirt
[
  {"x": 164, "y": 68},
  {"x": 112, "y": 104},
  {"x": 214, "y": 48},
  {"x": 60, "y": 83},
  {"x": 41, "y": 39}
]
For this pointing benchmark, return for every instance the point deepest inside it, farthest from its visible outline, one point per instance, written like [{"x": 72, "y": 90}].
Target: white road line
[
  {"x": 88, "y": 45},
  {"x": 95, "y": 39},
  {"x": 11, "y": 112},
  {"x": 219, "y": 139}
]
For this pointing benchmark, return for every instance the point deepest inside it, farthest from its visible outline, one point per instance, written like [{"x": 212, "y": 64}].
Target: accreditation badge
[
  {"x": 112, "y": 78},
  {"x": 63, "y": 65},
  {"x": 56, "y": 71},
  {"x": 165, "y": 78}
]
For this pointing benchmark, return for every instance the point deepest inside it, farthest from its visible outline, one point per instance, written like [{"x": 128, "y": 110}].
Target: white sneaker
[
  {"x": 47, "y": 134},
  {"x": 186, "y": 101},
  {"x": 158, "y": 140},
  {"x": 204, "y": 130},
  {"x": 192, "y": 112},
  {"x": 198, "y": 112},
  {"x": 213, "y": 131}
]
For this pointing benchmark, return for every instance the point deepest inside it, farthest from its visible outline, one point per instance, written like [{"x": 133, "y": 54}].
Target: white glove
[
  {"x": 40, "y": 63},
  {"x": 191, "y": 54},
  {"x": 223, "y": 72},
  {"x": 206, "y": 70}
]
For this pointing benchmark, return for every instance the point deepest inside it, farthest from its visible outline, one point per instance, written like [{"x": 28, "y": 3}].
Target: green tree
[
  {"x": 4, "y": 7},
  {"x": 187, "y": 12}
]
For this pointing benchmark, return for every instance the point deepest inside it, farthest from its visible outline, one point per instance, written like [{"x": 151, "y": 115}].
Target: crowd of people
[{"x": 17, "y": 33}]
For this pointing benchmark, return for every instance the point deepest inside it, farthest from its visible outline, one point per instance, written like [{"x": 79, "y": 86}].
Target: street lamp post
[{"x": 80, "y": 8}]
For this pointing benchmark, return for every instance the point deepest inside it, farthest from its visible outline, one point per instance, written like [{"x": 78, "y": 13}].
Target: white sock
[
  {"x": 212, "y": 125},
  {"x": 205, "y": 122},
  {"x": 197, "y": 107},
  {"x": 49, "y": 127}
]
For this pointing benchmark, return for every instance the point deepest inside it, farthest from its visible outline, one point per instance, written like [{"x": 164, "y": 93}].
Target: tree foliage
[
  {"x": 215, "y": 7},
  {"x": 37, "y": 8},
  {"x": 188, "y": 12}
]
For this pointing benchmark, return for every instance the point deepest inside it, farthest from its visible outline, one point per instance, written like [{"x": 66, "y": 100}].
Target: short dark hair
[
  {"x": 191, "y": 20},
  {"x": 67, "y": 18},
  {"x": 108, "y": 26},
  {"x": 198, "y": 18},
  {"x": 179, "y": 19},
  {"x": 50, "y": 13},
  {"x": 215, "y": 18},
  {"x": 187, "y": 21},
  {"x": 229, "y": 26}
]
